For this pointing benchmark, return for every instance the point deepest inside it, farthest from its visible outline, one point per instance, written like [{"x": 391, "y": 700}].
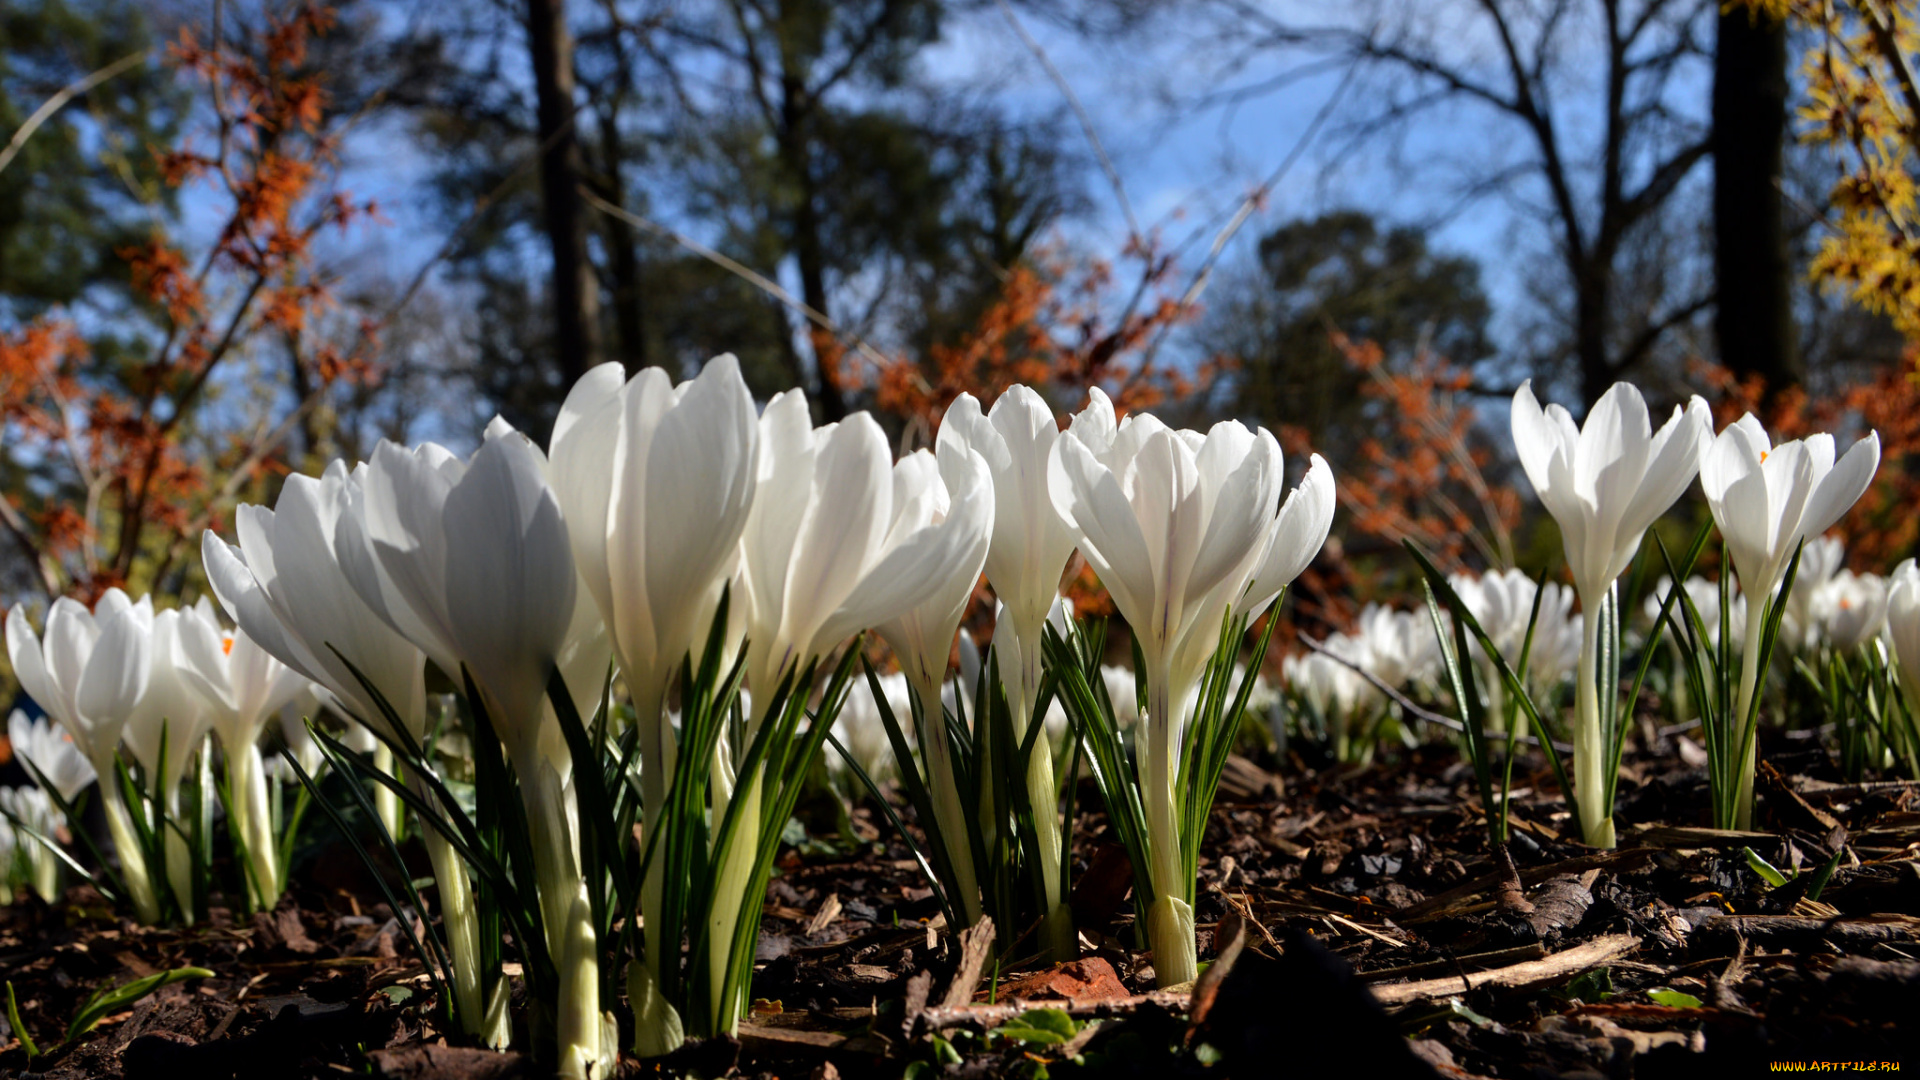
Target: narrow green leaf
[
  {"x": 107, "y": 1002},
  {"x": 20, "y": 1029},
  {"x": 1767, "y": 871}
]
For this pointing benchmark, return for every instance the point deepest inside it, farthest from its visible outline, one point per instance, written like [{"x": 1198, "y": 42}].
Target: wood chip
[
  {"x": 975, "y": 944},
  {"x": 1533, "y": 973},
  {"x": 829, "y": 911},
  {"x": 1470, "y": 962}
]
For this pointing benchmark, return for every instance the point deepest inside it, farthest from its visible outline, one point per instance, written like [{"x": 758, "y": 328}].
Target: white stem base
[
  {"x": 577, "y": 1027},
  {"x": 133, "y": 864},
  {"x": 1170, "y": 933},
  {"x": 657, "y": 1028}
]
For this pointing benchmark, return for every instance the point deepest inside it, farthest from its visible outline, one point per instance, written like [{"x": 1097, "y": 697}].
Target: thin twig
[
  {"x": 1079, "y": 111},
  {"x": 59, "y": 100},
  {"x": 1204, "y": 274},
  {"x": 1407, "y": 703},
  {"x": 740, "y": 270}
]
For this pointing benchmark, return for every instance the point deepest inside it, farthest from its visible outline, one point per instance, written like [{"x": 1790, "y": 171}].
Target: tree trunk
[
  {"x": 1593, "y": 288},
  {"x": 1753, "y": 274},
  {"x": 809, "y": 252},
  {"x": 576, "y": 291},
  {"x": 623, "y": 254}
]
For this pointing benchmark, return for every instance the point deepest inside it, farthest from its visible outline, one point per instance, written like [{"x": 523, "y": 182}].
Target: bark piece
[{"x": 1089, "y": 979}]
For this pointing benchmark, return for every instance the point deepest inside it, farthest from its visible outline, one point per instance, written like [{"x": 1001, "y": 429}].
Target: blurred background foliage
[{"x": 241, "y": 237}]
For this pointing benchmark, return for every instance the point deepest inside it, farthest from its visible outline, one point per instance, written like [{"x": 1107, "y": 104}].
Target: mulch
[{"x": 1353, "y": 918}]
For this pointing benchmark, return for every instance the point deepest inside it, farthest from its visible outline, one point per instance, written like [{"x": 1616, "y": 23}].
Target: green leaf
[
  {"x": 19, "y": 1029},
  {"x": 1826, "y": 873},
  {"x": 396, "y": 994},
  {"x": 1039, "y": 1036},
  {"x": 1673, "y": 999},
  {"x": 1592, "y": 987},
  {"x": 1053, "y": 1026},
  {"x": 1767, "y": 871},
  {"x": 107, "y": 1002}
]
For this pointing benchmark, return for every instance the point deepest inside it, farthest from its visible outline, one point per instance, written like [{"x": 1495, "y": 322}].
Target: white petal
[
  {"x": 508, "y": 579},
  {"x": 1298, "y": 533},
  {"x": 700, "y": 489},
  {"x": 1088, "y": 497},
  {"x": 1841, "y": 487},
  {"x": 29, "y": 666},
  {"x": 841, "y": 534},
  {"x": 584, "y": 465},
  {"x": 115, "y": 678}
]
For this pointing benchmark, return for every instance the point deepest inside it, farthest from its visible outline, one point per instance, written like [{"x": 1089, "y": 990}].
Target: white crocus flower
[
  {"x": 284, "y": 585},
  {"x": 930, "y": 490},
  {"x": 243, "y": 687},
  {"x": 655, "y": 482},
  {"x": 1853, "y": 608},
  {"x": 1181, "y": 528},
  {"x": 1029, "y": 551},
  {"x": 286, "y": 589},
  {"x": 1343, "y": 699},
  {"x": 1400, "y": 645},
  {"x": 1503, "y": 603},
  {"x": 834, "y": 544},
  {"x": 1030, "y": 548},
  {"x": 89, "y": 673},
  {"x": 52, "y": 752},
  {"x": 474, "y": 558},
  {"x": 1903, "y": 629},
  {"x": 165, "y": 733},
  {"x": 1820, "y": 560},
  {"x": 1605, "y": 483},
  {"x": 861, "y": 730},
  {"x": 1767, "y": 499},
  {"x": 35, "y": 812}
]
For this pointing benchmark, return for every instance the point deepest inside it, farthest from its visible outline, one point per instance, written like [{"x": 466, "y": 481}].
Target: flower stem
[
  {"x": 1056, "y": 930},
  {"x": 1590, "y": 758},
  {"x": 133, "y": 864},
  {"x": 578, "y": 1027},
  {"x": 457, "y": 910},
  {"x": 1170, "y": 917},
  {"x": 656, "y": 1024},
  {"x": 949, "y": 815},
  {"x": 736, "y": 860},
  {"x": 247, "y": 799},
  {"x": 386, "y": 804},
  {"x": 1744, "y": 723}
]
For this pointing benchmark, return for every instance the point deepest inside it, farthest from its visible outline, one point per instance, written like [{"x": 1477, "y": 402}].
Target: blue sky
[{"x": 1186, "y": 148}]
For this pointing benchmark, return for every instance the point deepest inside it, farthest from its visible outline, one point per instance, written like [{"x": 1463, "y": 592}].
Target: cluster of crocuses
[
  {"x": 158, "y": 684},
  {"x": 1605, "y": 483},
  {"x": 664, "y": 522},
  {"x": 31, "y": 820},
  {"x": 1346, "y": 710}
]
